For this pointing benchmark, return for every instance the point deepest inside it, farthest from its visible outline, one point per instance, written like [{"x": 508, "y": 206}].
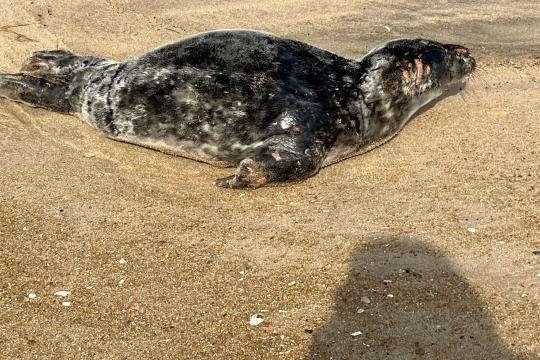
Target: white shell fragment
[
  {"x": 365, "y": 300},
  {"x": 31, "y": 295},
  {"x": 356, "y": 333},
  {"x": 62, "y": 293},
  {"x": 122, "y": 261},
  {"x": 471, "y": 229},
  {"x": 256, "y": 319},
  {"x": 66, "y": 303},
  {"x": 360, "y": 311}
]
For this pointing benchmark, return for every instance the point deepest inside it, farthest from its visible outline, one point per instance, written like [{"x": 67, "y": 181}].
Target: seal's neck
[{"x": 381, "y": 105}]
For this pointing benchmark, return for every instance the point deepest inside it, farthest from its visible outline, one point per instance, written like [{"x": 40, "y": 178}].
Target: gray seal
[{"x": 277, "y": 109}]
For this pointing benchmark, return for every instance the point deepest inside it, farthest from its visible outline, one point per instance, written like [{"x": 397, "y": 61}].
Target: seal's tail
[{"x": 45, "y": 92}]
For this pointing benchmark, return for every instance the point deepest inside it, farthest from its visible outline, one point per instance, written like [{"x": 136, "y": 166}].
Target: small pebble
[
  {"x": 360, "y": 311},
  {"x": 471, "y": 230},
  {"x": 66, "y": 303},
  {"x": 25, "y": 228},
  {"x": 356, "y": 333},
  {"x": 292, "y": 283},
  {"x": 62, "y": 293},
  {"x": 387, "y": 281},
  {"x": 121, "y": 282},
  {"x": 390, "y": 295},
  {"x": 365, "y": 300},
  {"x": 255, "y": 319},
  {"x": 31, "y": 296},
  {"x": 122, "y": 261}
]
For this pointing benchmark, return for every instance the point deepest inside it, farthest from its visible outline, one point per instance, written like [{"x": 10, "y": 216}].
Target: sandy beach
[{"x": 425, "y": 248}]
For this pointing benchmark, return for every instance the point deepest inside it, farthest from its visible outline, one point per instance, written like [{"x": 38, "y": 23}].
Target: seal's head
[{"x": 414, "y": 71}]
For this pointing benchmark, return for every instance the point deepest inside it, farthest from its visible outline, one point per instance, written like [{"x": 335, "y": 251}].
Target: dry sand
[{"x": 161, "y": 264}]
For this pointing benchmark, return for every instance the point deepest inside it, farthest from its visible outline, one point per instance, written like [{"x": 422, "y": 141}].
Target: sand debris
[{"x": 256, "y": 319}]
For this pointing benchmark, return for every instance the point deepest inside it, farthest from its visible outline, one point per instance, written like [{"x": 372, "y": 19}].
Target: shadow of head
[{"x": 404, "y": 299}]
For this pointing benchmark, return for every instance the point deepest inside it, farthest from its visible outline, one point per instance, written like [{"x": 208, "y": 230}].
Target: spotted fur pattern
[{"x": 278, "y": 109}]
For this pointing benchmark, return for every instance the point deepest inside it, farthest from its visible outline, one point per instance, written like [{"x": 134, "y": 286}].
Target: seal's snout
[{"x": 463, "y": 55}]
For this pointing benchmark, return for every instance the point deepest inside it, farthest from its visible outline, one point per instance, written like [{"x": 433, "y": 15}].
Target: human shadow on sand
[{"x": 409, "y": 302}]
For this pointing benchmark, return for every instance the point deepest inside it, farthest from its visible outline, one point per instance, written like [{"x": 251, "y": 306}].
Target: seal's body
[{"x": 279, "y": 109}]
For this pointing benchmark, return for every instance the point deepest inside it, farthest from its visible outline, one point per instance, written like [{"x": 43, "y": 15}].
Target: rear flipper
[
  {"x": 57, "y": 62},
  {"x": 35, "y": 91}
]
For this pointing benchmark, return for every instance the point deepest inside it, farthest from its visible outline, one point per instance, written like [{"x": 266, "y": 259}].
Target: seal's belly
[
  {"x": 193, "y": 113},
  {"x": 225, "y": 154},
  {"x": 205, "y": 153},
  {"x": 197, "y": 133}
]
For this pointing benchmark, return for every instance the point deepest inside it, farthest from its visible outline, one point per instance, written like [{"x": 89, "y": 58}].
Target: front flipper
[
  {"x": 282, "y": 158},
  {"x": 35, "y": 91},
  {"x": 249, "y": 174}
]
